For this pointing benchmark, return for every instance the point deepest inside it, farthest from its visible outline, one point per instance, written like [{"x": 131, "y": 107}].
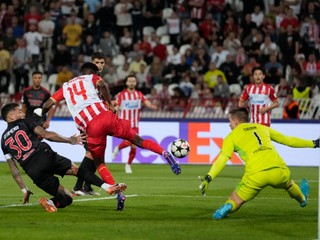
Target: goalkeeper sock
[
  {"x": 132, "y": 154},
  {"x": 295, "y": 193},
  {"x": 152, "y": 146},
  {"x": 106, "y": 174},
  {"x": 234, "y": 205}
]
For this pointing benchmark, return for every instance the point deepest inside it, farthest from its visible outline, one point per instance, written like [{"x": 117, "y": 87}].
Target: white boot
[
  {"x": 115, "y": 152},
  {"x": 128, "y": 168}
]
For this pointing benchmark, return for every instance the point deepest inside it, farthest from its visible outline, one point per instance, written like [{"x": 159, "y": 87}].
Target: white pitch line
[
  {"x": 74, "y": 200},
  {"x": 148, "y": 195}
]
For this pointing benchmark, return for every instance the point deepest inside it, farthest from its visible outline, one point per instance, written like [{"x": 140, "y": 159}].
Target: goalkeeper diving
[{"x": 263, "y": 165}]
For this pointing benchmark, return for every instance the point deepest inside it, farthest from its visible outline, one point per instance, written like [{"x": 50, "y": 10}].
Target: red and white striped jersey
[
  {"x": 130, "y": 106},
  {"x": 259, "y": 97},
  {"x": 82, "y": 98}
]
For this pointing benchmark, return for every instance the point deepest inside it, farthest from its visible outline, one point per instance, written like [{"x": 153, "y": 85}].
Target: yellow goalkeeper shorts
[{"x": 252, "y": 184}]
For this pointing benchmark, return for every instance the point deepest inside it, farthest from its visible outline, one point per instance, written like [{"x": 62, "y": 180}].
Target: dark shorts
[{"x": 43, "y": 166}]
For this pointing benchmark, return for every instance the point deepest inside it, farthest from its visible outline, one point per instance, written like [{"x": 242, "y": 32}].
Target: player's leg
[
  {"x": 132, "y": 155},
  {"x": 121, "y": 146},
  {"x": 281, "y": 179},
  {"x": 122, "y": 129}
]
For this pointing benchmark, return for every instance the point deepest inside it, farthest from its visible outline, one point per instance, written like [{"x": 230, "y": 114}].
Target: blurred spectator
[
  {"x": 187, "y": 30},
  {"x": 221, "y": 89},
  {"x": 231, "y": 44},
  {"x": 269, "y": 28},
  {"x": 93, "y": 5},
  {"x": 291, "y": 109},
  {"x": 125, "y": 41},
  {"x": 134, "y": 66},
  {"x": 144, "y": 79},
  {"x": 312, "y": 11},
  {"x": 17, "y": 28},
  {"x": 173, "y": 26},
  {"x": 153, "y": 13},
  {"x": 32, "y": 17},
  {"x": 108, "y": 44},
  {"x": 209, "y": 27},
  {"x": 88, "y": 47},
  {"x": 106, "y": 17},
  {"x": 156, "y": 70},
  {"x": 241, "y": 58},
  {"x": 180, "y": 69},
  {"x": 257, "y": 16},
  {"x": 185, "y": 84},
  {"x": 309, "y": 33},
  {"x": 67, "y": 6},
  {"x": 5, "y": 67},
  {"x": 246, "y": 26},
  {"x": 111, "y": 78},
  {"x": 160, "y": 50},
  {"x": 211, "y": 76},
  {"x": 230, "y": 69},
  {"x": 9, "y": 40},
  {"x": 21, "y": 60},
  {"x": 267, "y": 48},
  {"x": 123, "y": 17},
  {"x": 247, "y": 70},
  {"x": 215, "y": 8},
  {"x": 64, "y": 75},
  {"x": 273, "y": 70},
  {"x": 146, "y": 47},
  {"x": 283, "y": 88},
  {"x": 72, "y": 35},
  {"x": 290, "y": 19},
  {"x": 61, "y": 57},
  {"x": 203, "y": 58},
  {"x": 137, "y": 20},
  {"x": 123, "y": 71},
  {"x": 177, "y": 101},
  {"x": 230, "y": 26},
  {"x": 91, "y": 28},
  {"x": 34, "y": 40},
  {"x": 73, "y": 18},
  {"x": 294, "y": 5},
  {"x": 219, "y": 56},
  {"x": 289, "y": 42},
  {"x": 254, "y": 50},
  {"x": 164, "y": 96},
  {"x": 301, "y": 91},
  {"x": 174, "y": 58},
  {"x": 311, "y": 69},
  {"x": 6, "y": 16},
  {"x": 46, "y": 28},
  {"x": 197, "y": 10},
  {"x": 154, "y": 98}
]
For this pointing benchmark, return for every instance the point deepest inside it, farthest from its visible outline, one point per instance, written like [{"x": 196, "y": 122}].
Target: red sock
[
  {"x": 124, "y": 144},
  {"x": 105, "y": 174},
  {"x": 152, "y": 146},
  {"x": 132, "y": 155}
]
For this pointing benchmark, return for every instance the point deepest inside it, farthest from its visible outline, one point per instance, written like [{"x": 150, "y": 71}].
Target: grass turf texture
[{"x": 162, "y": 206}]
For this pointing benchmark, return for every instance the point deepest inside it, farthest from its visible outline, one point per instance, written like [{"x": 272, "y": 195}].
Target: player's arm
[
  {"x": 47, "y": 106},
  {"x": 292, "y": 141},
  {"x": 243, "y": 98},
  {"x": 105, "y": 92},
  {"x": 225, "y": 154},
  {"x": 49, "y": 117},
  {"x": 24, "y": 108},
  {"x": 55, "y": 137},
  {"x": 15, "y": 172},
  {"x": 150, "y": 105}
]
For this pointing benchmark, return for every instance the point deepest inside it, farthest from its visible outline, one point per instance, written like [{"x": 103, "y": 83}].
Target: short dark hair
[
  {"x": 98, "y": 55},
  {"x": 258, "y": 68},
  {"x": 241, "y": 113},
  {"x": 130, "y": 76},
  {"x": 89, "y": 68},
  {"x": 7, "y": 108},
  {"x": 36, "y": 72}
]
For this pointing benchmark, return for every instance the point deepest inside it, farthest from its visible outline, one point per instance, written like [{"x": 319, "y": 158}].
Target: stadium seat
[
  {"x": 166, "y": 13},
  {"x": 169, "y": 49},
  {"x": 165, "y": 39},
  {"x": 158, "y": 87},
  {"x": 147, "y": 30},
  {"x": 183, "y": 48},
  {"x": 118, "y": 60},
  {"x": 52, "y": 80},
  {"x": 235, "y": 89},
  {"x": 162, "y": 30},
  {"x": 171, "y": 87}
]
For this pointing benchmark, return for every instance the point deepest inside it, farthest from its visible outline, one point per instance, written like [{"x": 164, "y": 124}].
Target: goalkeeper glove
[
  {"x": 205, "y": 184},
  {"x": 316, "y": 143}
]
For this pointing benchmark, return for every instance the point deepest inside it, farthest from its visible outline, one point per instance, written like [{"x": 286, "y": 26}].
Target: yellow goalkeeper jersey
[{"x": 253, "y": 143}]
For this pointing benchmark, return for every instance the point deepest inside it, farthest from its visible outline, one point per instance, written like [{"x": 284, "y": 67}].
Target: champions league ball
[{"x": 180, "y": 148}]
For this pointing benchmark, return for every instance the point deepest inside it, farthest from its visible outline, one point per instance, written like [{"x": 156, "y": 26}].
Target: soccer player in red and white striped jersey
[
  {"x": 130, "y": 102},
  {"x": 96, "y": 117},
  {"x": 261, "y": 97}
]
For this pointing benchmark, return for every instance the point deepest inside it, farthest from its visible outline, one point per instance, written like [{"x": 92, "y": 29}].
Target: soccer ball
[{"x": 180, "y": 148}]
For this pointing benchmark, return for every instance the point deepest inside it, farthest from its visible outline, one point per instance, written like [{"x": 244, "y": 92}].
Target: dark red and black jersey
[
  {"x": 19, "y": 140},
  {"x": 34, "y": 98}
]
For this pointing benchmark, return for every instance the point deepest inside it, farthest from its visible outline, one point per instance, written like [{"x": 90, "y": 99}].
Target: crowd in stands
[{"x": 178, "y": 49}]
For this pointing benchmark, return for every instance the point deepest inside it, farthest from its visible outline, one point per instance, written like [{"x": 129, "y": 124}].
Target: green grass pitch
[{"x": 161, "y": 205}]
